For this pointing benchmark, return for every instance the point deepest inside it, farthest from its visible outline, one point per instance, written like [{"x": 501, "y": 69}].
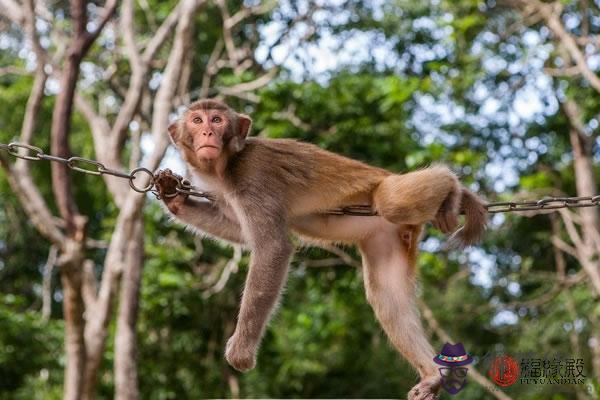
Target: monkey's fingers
[{"x": 166, "y": 183}]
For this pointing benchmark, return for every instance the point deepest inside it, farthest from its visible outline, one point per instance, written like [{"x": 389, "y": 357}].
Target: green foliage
[{"x": 30, "y": 351}]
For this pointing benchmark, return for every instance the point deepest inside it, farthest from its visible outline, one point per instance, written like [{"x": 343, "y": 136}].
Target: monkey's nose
[{"x": 207, "y": 134}]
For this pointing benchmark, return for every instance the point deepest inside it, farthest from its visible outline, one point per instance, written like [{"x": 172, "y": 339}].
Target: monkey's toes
[
  {"x": 446, "y": 221},
  {"x": 242, "y": 358}
]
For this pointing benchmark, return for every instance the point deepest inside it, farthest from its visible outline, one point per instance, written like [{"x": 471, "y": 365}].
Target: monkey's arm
[
  {"x": 267, "y": 236},
  {"x": 205, "y": 216}
]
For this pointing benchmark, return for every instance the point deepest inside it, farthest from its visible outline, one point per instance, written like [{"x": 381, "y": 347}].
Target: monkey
[{"x": 266, "y": 190}]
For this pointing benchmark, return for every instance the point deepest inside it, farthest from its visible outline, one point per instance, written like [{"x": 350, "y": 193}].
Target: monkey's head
[{"x": 209, "y": 130}]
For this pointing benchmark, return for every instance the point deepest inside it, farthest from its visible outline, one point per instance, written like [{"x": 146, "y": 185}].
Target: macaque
[{"x": 267, "y": 189}]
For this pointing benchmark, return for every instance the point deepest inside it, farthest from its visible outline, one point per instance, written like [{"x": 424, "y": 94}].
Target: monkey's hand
[{"x": 166, "y": 183}]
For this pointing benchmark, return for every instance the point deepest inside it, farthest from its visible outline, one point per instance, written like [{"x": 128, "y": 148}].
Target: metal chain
[
  {"x": 550, "y": 203},
  {"x": 93, "y": 167}
]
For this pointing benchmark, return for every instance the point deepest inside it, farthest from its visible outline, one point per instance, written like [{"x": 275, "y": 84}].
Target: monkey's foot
[
  {"x": 446, "y": 220},
  {"x": 240, "y": 357},
  {"x": 427, "y": 389}
]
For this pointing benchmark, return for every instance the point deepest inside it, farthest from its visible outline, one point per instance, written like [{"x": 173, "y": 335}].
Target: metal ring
[
  {"x": 184, "y": 190},
  {"x": 147, "y": 187},
  {"x": 71, "y": 164},
  {"x": 184, "y": 186},
  {"x": 13, "y": 150},
  {"x": 4, "y": 147},
  {"x": 596, "y": 199}
]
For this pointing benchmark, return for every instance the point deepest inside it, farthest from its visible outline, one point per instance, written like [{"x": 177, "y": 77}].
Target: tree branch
[
  {"x": 345, "y": 257},
  {"x": 126, "y": 376},
  {"x": 12, "y": 11},
  {"x": 551, "y": 15},
  {"x": 232, "y": 52},
  {"x": 252, "y": 85},
  {"x": 211, "y": 68},
  {"x": 89, "y": 37},
  {"x": 127, "y": 27},
  {"x": 246, "y": 12},
  {"x": 140, "y": 68},
  {"x": 161, "y": 34},
  {"x": 585, "y": 252},
  {"x": 230, "y": 268}
]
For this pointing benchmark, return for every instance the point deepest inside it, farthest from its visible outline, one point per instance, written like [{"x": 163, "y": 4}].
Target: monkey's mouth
[{"x": 209, "y": 151}]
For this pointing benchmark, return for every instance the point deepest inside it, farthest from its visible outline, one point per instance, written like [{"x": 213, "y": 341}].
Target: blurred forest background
[{"x": 102, "y": 295}]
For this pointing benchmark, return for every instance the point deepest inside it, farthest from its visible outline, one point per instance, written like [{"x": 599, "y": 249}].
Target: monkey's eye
[
  {"x": 216, "y": 120},
  {"x": 197, "y": 120}
]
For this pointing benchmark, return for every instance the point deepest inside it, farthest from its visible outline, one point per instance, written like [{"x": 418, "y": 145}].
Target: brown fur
[
  {"x": 268, "y": 188},
  {"x": 475, "y": 220}
]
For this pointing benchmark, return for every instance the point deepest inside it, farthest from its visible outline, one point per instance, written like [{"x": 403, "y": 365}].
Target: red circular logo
[{"x": 504, "y": 371}]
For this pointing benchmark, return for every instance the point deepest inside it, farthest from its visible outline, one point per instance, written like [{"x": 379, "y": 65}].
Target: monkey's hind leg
[
  {"x": 389, "y": 262},
  {"x": 431, "y": 194}
]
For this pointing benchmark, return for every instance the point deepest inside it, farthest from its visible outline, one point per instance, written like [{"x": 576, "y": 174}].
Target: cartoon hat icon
[{"x": 453, "y": 355}]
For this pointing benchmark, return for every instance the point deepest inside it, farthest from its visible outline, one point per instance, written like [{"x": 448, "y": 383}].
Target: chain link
[
  {"x": 13, "y": 150},
  {"x": 184, "y": 186}
]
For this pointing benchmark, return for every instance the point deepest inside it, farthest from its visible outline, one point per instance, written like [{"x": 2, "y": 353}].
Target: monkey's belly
[{"x": 339, "y": 228}]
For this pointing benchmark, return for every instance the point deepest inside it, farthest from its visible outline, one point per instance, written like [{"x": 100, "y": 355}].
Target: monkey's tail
[{"x": 475, "y": 220}]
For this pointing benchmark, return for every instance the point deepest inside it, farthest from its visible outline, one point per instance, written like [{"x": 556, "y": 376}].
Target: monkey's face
[{"x": 205, "y": 133}]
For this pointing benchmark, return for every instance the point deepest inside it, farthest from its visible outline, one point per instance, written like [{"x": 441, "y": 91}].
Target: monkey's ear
[
  {"x": 244, "y": 125},
  {"x": 174, "y": 132}
]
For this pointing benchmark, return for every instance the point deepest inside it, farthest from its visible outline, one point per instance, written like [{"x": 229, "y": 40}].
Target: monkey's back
[{"x": 301, "y": 174}]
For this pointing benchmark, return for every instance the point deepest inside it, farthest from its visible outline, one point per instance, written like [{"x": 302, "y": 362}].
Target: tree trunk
[
  {"x": 586, "y": 186},
  {"x": 74, "y": 325},
  {"x": 70, "y": 263},
  {"x": 96, "y": 329},
  {"x": 61, "y": 126},
  {"x": 126, "y": 377}
]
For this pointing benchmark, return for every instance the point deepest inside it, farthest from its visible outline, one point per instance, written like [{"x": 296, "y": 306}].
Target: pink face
[
  {"x": 203, "y": 133},
  {"x": 207, "y": 130}
]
